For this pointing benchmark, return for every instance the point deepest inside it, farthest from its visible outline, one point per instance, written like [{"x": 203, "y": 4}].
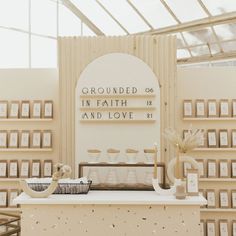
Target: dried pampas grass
[{"x": 192, "y": 139}]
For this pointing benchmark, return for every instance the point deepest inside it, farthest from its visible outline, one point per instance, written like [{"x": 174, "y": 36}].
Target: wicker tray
[{"x": 64, "y": 188}]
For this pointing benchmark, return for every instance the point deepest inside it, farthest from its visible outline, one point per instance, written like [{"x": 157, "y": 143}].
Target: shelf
[
  {"x": 26, "y": 119},
  {"x": 10, "y": 179},
  {"x": 25, "y": 149},
  {"x": 217, "y": 179},
  {"x": 218, "y": 210},
  {"x": 210, "y": 119},
  {"x": 214, "y": 149},
  {"x": 12, "y": 209}
]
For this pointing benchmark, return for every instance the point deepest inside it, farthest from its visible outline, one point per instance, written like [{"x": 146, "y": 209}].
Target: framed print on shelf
[
  {"x": 202, "y": 192},
  {"x": 192, "y": 182},
  {"x": 47, "y": 168},
  {"x": 211, "y": 138},
  {"x": 3, "y": 139},
  {"x": 224, "y": 199},
  {"x": 48, "y": 109},
  {"x": 211, "y": 169},
  {"x": 233, "y": 227},
  {"x": 233, "y": 138},
  {"x": 36, "y": 139},
  {"x": 234, "y": 107},
  {"x": 233, "y": 198},
  {"x": 37, "y": 109},
  {"x": 25, "y": 109},
  {"x": 12, "y": 194},
  {"x": 202, "y": 144},
  {"x": 186, "y": 166},
  {"x": 211, "y": 198},
  {"x": 36, "y": 169},
  {"x": 25, "y": 169},
  {"x": 223, "y": 227},
  {"x": 3, "y": 198},
  {"x": 201, "y": 168},
  {"x": 233, "y": 168},
  {"x": 13, "y": 139},
  {"x": 13, "y": 169},
  {"x": 224, "y": 108},
  {"x": 210, "y": 228},
  {"x": 187, "y": 108},
  {"x": 24, "y": 139},
  {"x": 3, "y": 169},
  {"x": 212, "y": 108},
  {"x": 47, "y": 139},
  {"x": 224, "y": 169},
  {"x": 200, "y": 108},
  {"x": 14, "y": 109},
  {"x": 223, "y": 138},
  {"x": 3, "y": 109}
]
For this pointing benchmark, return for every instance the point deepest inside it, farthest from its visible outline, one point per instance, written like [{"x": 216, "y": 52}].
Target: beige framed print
[
  {"x": 211, "y": 138},
  {"x": 13, "y": 169},
  {"x": 47, "y": 139},
  {"x": 192, "y": 182},
  {"x": 13, "y": 139},
  {"x": 202, "y": 192},
  {"x": 233, "y": 227},
  {"x": 210, "y": 228},
  {"x": 37, "y": 109},
  {"x": 3, "y": 169},
  {"x": 224, "y": 108},
  {"x": 233, "y": 168},
  {"x": 3, "y": 109},
  {"x": 3, "y": 198},
  {"x": 14, "y": 109},
  {"x": 202, "y": 228},
  {"x": 233, "y": 198},
  {"x": 223, "y": 227},
  {"x": 47, "y": 168},
  {"x": 24, "y": 139},
  {"x": 25, "y": 109},
  {"x": 224, "y": 169},
  {"x": 211, "y": 168},
  {"x": 36, "y": 169},
  {"x": 201, "y": 168},
  {"x": 211, "y": 198},
  {"x": 233, "y": 138},
  {"x": 224, "y": 199},
  {"x": 200, "y": 108},
  {"x": 187, "y": 108},
  {"x": 212, "y": 108},
  {"x": 234, "y": 107},
  {"x": 25, "y": 169},
  {"x": 203, "y": 139},
  {"x": 48, "y": 109},
  {"x": 12, "y": 194},
  {"x": 223, "y": 138},
  {"x": 3, "y": 139},
  {"x": 186, "y": 166},
  {"x": 36, "y": 139}
]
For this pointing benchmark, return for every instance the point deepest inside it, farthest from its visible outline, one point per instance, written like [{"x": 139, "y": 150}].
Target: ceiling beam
[
  {"x": 196, "y": 24},
  {"x": 216, "y": 57},
  {"x": 82, "y": 17}
]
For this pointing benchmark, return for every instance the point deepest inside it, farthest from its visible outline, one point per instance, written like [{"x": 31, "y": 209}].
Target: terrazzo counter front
[{"x": 110, "y": 213}]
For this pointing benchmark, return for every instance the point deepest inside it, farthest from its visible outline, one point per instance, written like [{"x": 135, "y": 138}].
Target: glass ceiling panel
[
  {"x": 14, "y": 13},
  {"x": 69, "y": 23},
  {"x": 186, "y": 10},
  {"x": 155, "y": 13},
  {"x": 125, "y": 14},
  {"x": 229, "y": 46},
  {"x": 226, "y": 31},
  {"x": 182, "y": 53},
  {"x": 200, "y": 36},
  {"x": 86, "y": 31},
  {"x": 180, "y": 41},
  {"x": 200, "y": 50},
  {"x": 99, "y": 17},
  {"x": 214, "y": 48},
  {"x": 217, "y": 7}
]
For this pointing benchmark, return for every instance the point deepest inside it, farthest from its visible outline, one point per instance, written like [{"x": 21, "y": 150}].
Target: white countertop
[{"x": 111, "y": 197}]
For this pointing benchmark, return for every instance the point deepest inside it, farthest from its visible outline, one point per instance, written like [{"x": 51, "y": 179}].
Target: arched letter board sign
[{"x": 117, "y": 106}]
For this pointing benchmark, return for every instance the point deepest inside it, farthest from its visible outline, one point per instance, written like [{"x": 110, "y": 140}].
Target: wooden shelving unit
[
  {"x": 25, "y": 120},
  {"x": 217, "y": 179},
  {"x": 25, "y": 149},
  {"x": 227, "y": 210},
  {"x": 215, "y": 150}
]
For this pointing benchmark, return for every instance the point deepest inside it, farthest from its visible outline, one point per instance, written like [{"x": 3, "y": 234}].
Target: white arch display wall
[
  {"x": 75, "y": 53},
  {"x": 117, "y": 106}
]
